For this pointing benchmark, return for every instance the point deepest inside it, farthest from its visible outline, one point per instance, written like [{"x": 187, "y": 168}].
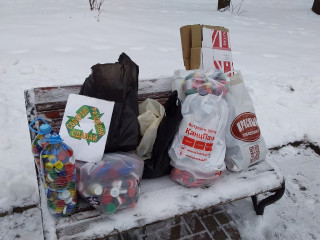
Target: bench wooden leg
[{"x": 259, "y": 207}]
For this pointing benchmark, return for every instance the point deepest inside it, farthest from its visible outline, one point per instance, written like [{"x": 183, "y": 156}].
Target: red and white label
[
  {"x": 197, "y": 142},
  {"x": 218, "y": 54},
  {"x": 245, "y": 127}
]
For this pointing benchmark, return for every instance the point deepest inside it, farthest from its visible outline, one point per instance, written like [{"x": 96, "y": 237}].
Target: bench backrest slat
[{"x": 50, "y": 102}]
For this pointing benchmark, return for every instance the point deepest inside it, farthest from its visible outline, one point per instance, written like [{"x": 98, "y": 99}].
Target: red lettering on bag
[
  {"x": 208, "y": 147},
  {"x": 188, "y": 141},
  {"x": 245, "y": 127},
  {"x": 199, "y": 145}
]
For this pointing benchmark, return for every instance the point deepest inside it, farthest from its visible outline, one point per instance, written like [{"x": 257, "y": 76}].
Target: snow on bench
[{"x": 160, "y": 198}]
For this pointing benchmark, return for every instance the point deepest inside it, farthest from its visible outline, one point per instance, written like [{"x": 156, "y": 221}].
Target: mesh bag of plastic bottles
[
  {"x": 198, "y": 148},
  {"x": 113, "y": 183}
]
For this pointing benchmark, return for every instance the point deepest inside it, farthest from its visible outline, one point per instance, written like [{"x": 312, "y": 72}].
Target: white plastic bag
[
  {"x": 245, "y": 145},
  {"x": 199, "y": 145}
]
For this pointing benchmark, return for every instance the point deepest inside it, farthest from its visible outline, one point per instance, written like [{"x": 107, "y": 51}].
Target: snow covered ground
[{"x": 274, "y": 43}]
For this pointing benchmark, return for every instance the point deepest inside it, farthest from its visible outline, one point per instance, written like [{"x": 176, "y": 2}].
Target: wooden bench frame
[{"x": 49, "y": 103}]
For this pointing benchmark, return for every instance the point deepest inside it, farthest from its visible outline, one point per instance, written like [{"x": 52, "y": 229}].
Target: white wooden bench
[{"x": 160, "y": 198}]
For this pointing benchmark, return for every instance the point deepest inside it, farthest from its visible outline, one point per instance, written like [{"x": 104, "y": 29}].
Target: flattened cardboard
[
  {"x": 219, "y": 59},
  {"x": 196, "y": 56},
  {"x": 191, "y": 42}
]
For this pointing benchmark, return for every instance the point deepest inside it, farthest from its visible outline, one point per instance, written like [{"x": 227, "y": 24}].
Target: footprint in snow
[{"x": 26, "y": 70}]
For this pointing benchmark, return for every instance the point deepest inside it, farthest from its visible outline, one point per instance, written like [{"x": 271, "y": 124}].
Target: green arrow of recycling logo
[{"x": 82, "y": 112}]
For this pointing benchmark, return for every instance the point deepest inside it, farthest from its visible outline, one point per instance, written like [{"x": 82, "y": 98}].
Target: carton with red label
[
  {"x": 206, "y": 47},
  {"x": 245, "y": 145}
]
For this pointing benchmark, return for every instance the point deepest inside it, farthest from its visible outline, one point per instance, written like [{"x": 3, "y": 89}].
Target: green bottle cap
[{"x": 111, "y": 208}]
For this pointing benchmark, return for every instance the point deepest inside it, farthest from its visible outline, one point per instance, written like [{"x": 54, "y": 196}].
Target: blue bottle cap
[
  {"x": 54, "y": 139},
  {"x": 45, "y": 129}
]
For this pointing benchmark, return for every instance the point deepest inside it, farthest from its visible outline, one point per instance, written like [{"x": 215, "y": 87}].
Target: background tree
[
  {"x": 316, "y": 6},
  {"x": 223, "y": 4}
]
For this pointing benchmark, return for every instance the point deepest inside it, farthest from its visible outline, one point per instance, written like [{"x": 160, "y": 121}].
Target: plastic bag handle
[{"x": 30, "y": 125}]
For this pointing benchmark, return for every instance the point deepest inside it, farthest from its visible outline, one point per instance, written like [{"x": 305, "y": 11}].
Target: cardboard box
[{"x": 206, "y": 47}]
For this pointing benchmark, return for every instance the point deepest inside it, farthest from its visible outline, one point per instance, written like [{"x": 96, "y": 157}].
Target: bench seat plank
[{"x": 163, "y": 199}]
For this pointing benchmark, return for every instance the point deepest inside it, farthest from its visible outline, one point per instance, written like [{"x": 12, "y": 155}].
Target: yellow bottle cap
[
  {"x": 59, "y": 209},
  {"x": 58, "y": 165},
  {"x": 72, "y": 192},
  {"x": 49, "y": 166}
]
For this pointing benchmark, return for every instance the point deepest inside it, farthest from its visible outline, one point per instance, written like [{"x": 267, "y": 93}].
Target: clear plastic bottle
[
  {"x": 59, "y": 176},
  {"x": 45, "y": 131}
]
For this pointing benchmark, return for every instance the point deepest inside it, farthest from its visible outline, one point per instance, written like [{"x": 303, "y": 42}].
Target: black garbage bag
[
  {"x": 117, "y": 82},
  {"x": 159, "y": 164}
]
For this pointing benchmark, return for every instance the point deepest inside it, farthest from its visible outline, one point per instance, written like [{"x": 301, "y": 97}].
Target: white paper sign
[{"x": 85, "y": 126}]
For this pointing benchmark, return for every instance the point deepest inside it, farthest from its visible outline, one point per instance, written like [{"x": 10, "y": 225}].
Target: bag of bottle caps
[
  {"x": 212, "y": 82},
  {"x": 188, "y": 179},
  {"x": 45, "y": 130},
  {"x": 113, "y": 183},
  {"x": 59, "y": 176},
  {"x": 198, "y": 148}
]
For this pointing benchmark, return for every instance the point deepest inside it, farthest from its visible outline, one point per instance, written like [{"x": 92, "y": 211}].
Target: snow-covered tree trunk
[{"x": 316, "y": 6}]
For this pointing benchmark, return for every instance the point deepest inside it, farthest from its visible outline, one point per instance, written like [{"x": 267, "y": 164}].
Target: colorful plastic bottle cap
[
  {"x": 60, "y": 181},
  {"x": 65, "y": 194},
  {"x": 69, "y": 153},
  {"x": 72, "y": 192},
  {"x": 54, "y": 151},
  {"x": 58, "y": 165},
  {"x": 69, "y": 168},
  {"x": 49, "y": 166},
  {"x": 64, "y": 210},
  {"x": 69, "y": 200},
  {"x": 106, "y": 199},
  {"x": 131, "y": 183},
  {"x": 112, "y": 174},
  {"x": 111, "y": 208},
  {"x": 115, "y": 192},
  {"x": 96, "y": 189},
  {"x": 59, "y": 209},
  {"x": 131, "y": 192},
  {"x": 51, "y": 157},
  {"x": 61, "y": 173},
  {"x": 120, "y": 200},
  {"x": 53, "y": 175},
  {"x": 61, "y": 203},
  {"x": 70, "y": 207},
  {"x": 49, "y": 179}
]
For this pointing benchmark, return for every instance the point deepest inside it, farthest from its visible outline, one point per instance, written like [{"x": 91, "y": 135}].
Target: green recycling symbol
[{"x": 82, "y": 112}]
